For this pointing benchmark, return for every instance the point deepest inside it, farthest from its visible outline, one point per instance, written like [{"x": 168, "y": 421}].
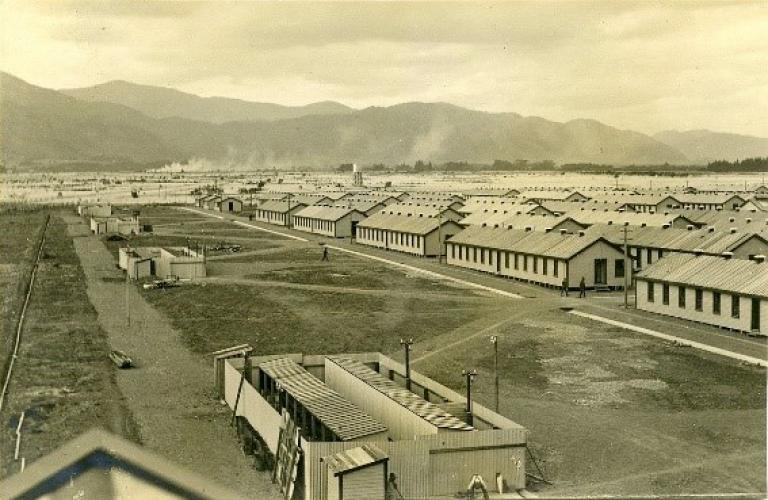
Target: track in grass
[{"x": 20, "y": 326}]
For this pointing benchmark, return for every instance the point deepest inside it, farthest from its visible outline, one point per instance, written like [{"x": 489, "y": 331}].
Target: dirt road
[{"x": 170, "y": 391}]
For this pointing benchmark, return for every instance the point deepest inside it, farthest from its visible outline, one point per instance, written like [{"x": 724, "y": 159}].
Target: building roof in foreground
[
  {"x": 420, "y": 406},
  {"x": 100, "y": 465},
  {"x": 356, "y": 458},
  {"x": 748, "y": 277},
  {"x": 343, "y": 418}
]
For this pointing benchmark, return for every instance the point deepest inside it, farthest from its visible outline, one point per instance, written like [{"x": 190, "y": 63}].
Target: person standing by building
[
  {"x": 564, "y": 288},
  {"x": 582, "y": 288},
  {"x": 393, "y": 492}
]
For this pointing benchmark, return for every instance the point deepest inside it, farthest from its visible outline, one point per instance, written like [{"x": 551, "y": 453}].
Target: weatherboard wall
[{"x": 707, "y": 313}]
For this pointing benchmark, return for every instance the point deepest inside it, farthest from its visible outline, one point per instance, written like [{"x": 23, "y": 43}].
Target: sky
[{"x": 647, "y": 66}]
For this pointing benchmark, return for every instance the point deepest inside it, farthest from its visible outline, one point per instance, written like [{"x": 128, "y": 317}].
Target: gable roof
[
  {"x": 555, "y": 245},
  {"x": 328, "y": 213},
  {"x": 114, "y": 461},
  {"x": 404, "y": 223},
  {"x": 280, "y": 206},
  {"x": 682, "y": 240}
]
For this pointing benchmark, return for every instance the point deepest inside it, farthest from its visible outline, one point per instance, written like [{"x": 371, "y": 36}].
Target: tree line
[{"x": 520, "y": 165}]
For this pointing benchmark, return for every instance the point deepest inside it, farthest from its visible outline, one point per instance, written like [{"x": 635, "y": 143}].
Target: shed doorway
[
  {"x": 755, "y": 315},
  {"x": 601, "y": 271}
]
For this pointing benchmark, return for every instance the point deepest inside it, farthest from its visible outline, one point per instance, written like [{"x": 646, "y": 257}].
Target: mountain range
[{"x": 121, "y": 121}]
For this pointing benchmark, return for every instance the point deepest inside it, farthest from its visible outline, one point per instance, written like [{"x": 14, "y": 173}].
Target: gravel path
[{"x": 170, "y": 393}]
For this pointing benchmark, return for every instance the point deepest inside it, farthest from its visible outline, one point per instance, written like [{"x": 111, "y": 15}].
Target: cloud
[{"x": 634, "y": 65}]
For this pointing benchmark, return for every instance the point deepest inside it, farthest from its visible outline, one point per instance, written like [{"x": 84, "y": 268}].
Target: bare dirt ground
[
  {"x": 614, "y": 413},
  {"x": 170, "y": 392}
]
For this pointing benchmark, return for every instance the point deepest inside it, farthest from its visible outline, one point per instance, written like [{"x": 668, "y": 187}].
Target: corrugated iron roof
[
  {"x": 740, "y": 276},
  {"x": 421, "y": 407},
  {"x": 356, "y": 458},
  {"x": 323, "y": 212},
  {"x": 343, "y": 418},
  {"x": 403, "y": 223},
  {"x": 552, "y": 244},
  {"x": 676, "y": 239},
  {"x": 280, "y": 206}
]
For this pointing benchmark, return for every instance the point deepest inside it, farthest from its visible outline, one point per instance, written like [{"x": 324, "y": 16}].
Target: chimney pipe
[
  {"x": 727, "y": 255},
  {"x": 760, "y": 259},
  {"x": 733, "y": 230}
]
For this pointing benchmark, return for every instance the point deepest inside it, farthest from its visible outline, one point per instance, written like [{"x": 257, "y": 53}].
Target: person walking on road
[
  {"x": 582, "y": 288},
  {"x": 564, "y": 288}
]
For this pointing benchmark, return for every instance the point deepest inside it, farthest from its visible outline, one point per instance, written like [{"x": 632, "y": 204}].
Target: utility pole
[
  {"x": 439, "y": 237},
  {"x": 627, "y": 269},
  {"x": 288, "y": 215},
  {"x": 495, "y": 342},
  {"x": 127, "y": 288},
  {"x": 407, "y": 346},
  {"x": 469, "y": 375}
]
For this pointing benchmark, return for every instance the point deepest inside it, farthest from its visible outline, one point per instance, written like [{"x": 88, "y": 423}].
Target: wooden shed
[{"x": 357, "y": 474}]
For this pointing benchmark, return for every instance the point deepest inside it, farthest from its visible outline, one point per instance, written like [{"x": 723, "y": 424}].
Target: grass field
[
  {"x": 17, "y": 253},
  {"x": 63, "y": 379}
]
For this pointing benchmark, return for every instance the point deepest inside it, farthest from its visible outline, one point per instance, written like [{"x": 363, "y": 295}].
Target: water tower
[{"x": 357, "y": 175}]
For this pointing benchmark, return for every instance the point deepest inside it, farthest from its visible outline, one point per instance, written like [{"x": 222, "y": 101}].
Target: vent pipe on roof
[
  {"x": 733, "y": 230},
  {"x": 710, "y": 229},
  {"x": 666, "y": 225},
  {"x": 731, "y": 219},
  {"x": 698, "y": 251},
  {"x": 749, "y": 220},
  {"x": 727, "y": 255},
  {"x": 563, "y": 232},
  {"x": 547, "y": 229},
  {"x": 689, "y": 227},
  {"x": 528, "y": 228},
  {"x": 760, "y": 259},
  {"x": 582, "y": 233}
]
